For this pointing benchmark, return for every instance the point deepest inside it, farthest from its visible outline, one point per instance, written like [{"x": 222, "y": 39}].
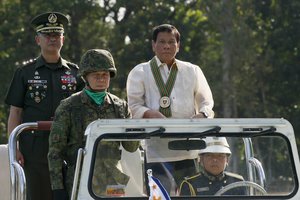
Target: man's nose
[
  {"x": 53, "y": 37},
  {"x": 167, "y": 46}
]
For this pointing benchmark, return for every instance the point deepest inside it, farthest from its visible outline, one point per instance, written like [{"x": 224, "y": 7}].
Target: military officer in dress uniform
[
  {"x": 36, "y": 90},
  {"x": 213, "y": 159}
]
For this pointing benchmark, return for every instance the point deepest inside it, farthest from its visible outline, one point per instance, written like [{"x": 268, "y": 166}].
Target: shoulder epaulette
[
  {"x": 28, "y": 62},
  {"x": 192, "y": 177},
  {"x": 71, "y": 100},
  {"x": 77, "y": 99},
  {"x": 115, "y": 98},
  {"x": 72, "y": 65},
  {"x": 234, "y": 175}
]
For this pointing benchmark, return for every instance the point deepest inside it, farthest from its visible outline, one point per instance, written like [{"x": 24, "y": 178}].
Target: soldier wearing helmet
[
  {"x": 213, "y": 160},
  {"x": 95, "y": 61},
  {"x": 75, "y": 113}
]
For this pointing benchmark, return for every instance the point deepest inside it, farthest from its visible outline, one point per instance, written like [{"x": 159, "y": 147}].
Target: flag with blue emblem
[{"x": 157, "y": 190}]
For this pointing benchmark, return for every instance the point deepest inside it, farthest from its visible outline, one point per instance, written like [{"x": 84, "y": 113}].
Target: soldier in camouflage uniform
[
  {"x": 75, "y": 113},
  {"x": 213, "y": 160}
]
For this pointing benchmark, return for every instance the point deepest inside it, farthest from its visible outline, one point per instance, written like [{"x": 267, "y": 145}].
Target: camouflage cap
[
  {"x": 50, "y": 22},
  {"x": 97, "y": 60}
]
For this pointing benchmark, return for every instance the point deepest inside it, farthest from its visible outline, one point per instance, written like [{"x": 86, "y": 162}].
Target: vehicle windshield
[{"x": 250, "y": 165}]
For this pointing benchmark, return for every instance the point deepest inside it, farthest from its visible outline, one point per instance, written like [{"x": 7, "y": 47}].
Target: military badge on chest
[
  {"x": 68, "y": 81},
  {"x": 37, "y": 88}
]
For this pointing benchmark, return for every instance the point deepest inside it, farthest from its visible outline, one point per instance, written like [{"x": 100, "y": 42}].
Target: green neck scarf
[{"x": 98, "y": 97}]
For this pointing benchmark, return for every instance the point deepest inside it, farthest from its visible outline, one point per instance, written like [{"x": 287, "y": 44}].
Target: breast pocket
[{"x": 37, "y": 90}]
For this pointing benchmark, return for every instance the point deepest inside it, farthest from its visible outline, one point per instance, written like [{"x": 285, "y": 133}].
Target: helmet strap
[{"x": 87, "y": 84}]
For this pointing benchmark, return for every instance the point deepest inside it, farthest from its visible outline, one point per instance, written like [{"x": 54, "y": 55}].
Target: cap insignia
[{"x": 52, "y": 18}]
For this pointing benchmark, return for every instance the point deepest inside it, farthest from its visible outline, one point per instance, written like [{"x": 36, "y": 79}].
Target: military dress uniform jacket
[
  {"x": 67, "y": 133},
  {"x": 205, "y": 184},
  {"x": 38, "y": 88}
]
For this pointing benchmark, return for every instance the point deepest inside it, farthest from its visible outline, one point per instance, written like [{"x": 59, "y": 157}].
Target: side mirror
[{"x": 187, "y": 145}]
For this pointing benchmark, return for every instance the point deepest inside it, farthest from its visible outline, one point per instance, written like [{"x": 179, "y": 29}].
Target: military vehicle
[{"x": 264, "y": 153}]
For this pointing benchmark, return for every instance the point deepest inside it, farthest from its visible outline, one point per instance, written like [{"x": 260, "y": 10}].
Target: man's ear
[
  {"x": 37, "y": 40},
  {"x": 227, "y": 160},
  {"x": 178, "y": 47},
  {"x": 153, "y": 46},
  {"x": 200, "y": 159}
]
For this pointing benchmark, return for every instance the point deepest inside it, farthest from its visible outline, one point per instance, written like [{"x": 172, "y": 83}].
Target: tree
[{"x": 248, "y": 50}]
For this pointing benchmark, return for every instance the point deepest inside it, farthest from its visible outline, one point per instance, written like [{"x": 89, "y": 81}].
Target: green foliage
[{"x": 248, "y": 50}]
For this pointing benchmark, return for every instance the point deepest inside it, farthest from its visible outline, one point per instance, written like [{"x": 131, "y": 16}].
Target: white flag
[{"x": 157, "y": 190}]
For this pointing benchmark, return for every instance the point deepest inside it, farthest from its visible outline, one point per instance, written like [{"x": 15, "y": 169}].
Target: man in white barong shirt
[{"x": 190, "y": 97}]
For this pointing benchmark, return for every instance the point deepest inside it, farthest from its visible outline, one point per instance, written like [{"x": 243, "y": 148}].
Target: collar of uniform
[
  {"x": 108, "y": 99},
  {"x": 85, "y": 98},
  {"x": 41, "y": 62},
  {"x": 159, "y": 63},
  {"x": 212, "y": 177},
  {"x": 64, "y": 63}
]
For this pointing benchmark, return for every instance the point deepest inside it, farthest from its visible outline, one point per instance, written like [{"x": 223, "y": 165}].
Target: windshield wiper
[
  {"x": 192, "y": 135},
  {"x": 157, "y": 132},
  {"x": 206, "y": 133},
  {"x": 161, "y": 132},
  {"x": 264, "y": 132}
]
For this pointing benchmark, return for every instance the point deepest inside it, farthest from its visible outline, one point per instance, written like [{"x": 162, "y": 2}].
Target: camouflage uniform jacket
[
  {"x": 206, "y": 184},
  {"x": 67, "y": 132}
]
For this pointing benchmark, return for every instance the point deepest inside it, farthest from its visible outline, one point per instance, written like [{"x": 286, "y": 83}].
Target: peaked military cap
[{"x": 50, "y": 22}]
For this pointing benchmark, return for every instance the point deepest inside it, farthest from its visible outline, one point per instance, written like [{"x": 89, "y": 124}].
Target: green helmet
[{"x": 97, "y": 60}]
